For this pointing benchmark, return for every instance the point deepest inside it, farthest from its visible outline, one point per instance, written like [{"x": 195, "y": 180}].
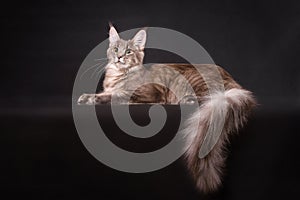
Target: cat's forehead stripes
[{"x": 122, "y": 45}]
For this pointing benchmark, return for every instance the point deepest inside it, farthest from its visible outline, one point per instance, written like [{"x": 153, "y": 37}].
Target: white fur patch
[{"x": 212, "y": 114}]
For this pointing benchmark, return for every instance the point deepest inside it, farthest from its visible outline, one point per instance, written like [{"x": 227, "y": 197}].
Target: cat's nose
[{"x": 121, "y": 59}]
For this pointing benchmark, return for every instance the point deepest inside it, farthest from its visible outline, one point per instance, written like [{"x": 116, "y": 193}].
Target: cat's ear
[
  {"x": 113, "y": 35},
  {"x": 139, "y": 39}
]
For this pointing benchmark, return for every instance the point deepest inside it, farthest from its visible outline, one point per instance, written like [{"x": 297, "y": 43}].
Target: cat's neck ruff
[
  {"x": 113, "y": 71},
  {"x": 135, "y": 68}
]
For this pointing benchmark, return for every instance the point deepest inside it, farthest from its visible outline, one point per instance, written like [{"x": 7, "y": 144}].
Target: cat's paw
[{"x": 87, "y": 99}]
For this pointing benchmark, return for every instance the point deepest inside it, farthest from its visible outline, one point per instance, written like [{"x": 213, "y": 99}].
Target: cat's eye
[
  {"x": 116, "y": 49},
  {"x": 128, "y": 51}
]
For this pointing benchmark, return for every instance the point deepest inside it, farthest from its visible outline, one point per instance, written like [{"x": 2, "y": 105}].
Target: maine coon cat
[{"x": 128, "y": 81}]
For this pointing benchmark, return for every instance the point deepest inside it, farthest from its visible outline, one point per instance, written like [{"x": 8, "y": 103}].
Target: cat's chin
[{"x": 122, "y": 66}]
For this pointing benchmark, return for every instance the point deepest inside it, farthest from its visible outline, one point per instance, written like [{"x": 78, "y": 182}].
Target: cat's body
[
  {"x": 128, "y": 81},
  {"x": 167, "y": 77}
]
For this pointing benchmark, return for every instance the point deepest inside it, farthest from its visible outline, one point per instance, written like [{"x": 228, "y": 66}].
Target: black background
[{"x": 43, "y": 45}]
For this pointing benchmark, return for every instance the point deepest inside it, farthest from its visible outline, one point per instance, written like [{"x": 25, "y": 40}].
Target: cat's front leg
[
  {"x": 93, "y": 99},
  {"x": 103, "y": 98},
  {"x": 87, "y": 99}
]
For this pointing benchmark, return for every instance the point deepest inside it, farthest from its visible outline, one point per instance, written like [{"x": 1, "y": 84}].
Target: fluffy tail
[{"x": 207, "y": 132}]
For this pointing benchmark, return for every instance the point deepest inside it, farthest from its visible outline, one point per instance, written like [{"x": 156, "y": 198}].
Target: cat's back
[
  {"x": 185, "y": 68},
  {"x": 198, "y": 73}
]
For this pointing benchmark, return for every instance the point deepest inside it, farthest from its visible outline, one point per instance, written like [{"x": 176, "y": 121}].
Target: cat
[{"x": 128, "y": 81}]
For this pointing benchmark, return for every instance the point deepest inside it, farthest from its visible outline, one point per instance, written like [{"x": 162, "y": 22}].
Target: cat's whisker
[
  {"x": 101, "y": 59},
  {"x": 98, "y": 75},
  {"x": 91, "y": 68},
  {"x": 97, "y": 69}
]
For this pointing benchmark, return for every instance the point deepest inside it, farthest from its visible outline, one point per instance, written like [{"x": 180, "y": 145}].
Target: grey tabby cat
[{"x": 128, "y": 81}]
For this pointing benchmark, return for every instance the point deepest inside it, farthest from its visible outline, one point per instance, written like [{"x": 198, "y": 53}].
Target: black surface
[
  {"x": 43, "y": 45},
  {"x": 43, "y": 157}
]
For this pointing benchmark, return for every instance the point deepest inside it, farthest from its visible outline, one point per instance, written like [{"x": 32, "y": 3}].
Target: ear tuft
[
  {"x": 139, "y": 39},
  {"x": 113, "y": 34}
]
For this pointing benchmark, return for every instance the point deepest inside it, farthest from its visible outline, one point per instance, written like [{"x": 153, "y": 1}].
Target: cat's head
[{"x": 125, "y": 54}]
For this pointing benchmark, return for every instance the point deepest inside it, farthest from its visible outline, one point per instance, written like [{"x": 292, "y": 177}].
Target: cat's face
[{"x": 126, "y": 54}]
